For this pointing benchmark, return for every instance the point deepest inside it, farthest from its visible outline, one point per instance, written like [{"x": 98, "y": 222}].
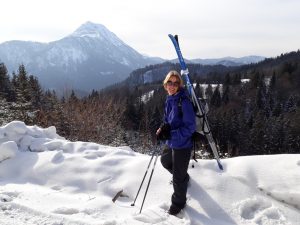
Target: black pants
[{"x": 176, "y": 161}]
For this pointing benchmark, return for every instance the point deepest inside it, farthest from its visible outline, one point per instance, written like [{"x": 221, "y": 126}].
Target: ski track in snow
[{"x": 290, "y": 199}]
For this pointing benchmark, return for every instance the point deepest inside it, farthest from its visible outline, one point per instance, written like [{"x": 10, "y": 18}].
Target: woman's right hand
[{"x": 164, "y": 132}]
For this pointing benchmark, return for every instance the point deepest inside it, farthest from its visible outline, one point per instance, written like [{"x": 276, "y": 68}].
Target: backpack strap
[{"x": 179, "y": 105}]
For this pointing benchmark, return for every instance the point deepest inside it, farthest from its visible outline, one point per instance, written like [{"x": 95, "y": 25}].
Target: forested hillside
[{"x": 260, "y": 116}]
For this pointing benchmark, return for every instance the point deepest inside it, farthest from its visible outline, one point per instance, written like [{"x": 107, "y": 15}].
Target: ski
[{"x": 200, "y": 110}]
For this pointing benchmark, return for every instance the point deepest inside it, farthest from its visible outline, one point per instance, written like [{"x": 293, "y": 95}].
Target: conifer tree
[
  {"x": 255, "y": 80},
  {"x": 272, "y": 84},
  {"x": 131, "y": 117},
  {"x": 22, "y": 85},
  {"x": 35, "y": 91},
  {"x": 290, "y": 105},
  {"x": 155, "y": 120},
  {"x": 277, "y": 109},
  {"x": 208, "y": 92},
  {"x": 227, "y": 80},
  {"x": 261, "y": 94},
  {"x": 5, "y": 84},
  {"x": 225, "y": 96},
  {"x": 199, "y": 91},
  {"x": 236, "y": 79},
  {"x": 257, "y": 136},
  {"x": 73, "y": 98},
  {"x": 216, "y": 98}
]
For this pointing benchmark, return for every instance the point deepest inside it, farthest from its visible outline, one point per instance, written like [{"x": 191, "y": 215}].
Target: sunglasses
[{"x": 175, "y": 84}]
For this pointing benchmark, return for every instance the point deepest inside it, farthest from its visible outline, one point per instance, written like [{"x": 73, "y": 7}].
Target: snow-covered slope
[{"x": 45, "y": 179}]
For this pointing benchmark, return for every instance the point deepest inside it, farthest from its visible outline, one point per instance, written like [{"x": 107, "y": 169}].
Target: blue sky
[{"x": 206, "y": 28}]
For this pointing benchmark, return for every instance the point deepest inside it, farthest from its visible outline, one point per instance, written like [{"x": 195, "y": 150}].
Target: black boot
[{"x": 174, "y": 210}]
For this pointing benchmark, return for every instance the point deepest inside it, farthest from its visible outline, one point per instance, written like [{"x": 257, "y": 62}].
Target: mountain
[
  {"x": 230, "y": 61},
  {"x": 92, "y": 57},
  {"x": 200, "y": 67},
  {"x": 156, "y": 73},
  {"x": 226, "y": 61}
]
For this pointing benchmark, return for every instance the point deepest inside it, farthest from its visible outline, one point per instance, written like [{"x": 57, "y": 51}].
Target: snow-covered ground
[{"x": 47, "y": 180}]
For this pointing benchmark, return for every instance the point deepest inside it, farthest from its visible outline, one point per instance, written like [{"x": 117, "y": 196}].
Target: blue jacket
[{"x": 183, "y": 124}]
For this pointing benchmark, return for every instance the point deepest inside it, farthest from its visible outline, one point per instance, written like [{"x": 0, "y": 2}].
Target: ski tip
[{"x": 176, "y": 37}]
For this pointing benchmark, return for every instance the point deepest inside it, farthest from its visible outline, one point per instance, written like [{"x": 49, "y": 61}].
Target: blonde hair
[{"x": 173, "y": 73}]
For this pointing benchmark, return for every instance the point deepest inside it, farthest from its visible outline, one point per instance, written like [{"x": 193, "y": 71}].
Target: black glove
[{"x": 165, "y": 132}]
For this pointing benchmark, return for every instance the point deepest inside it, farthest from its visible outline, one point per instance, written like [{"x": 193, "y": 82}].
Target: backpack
[
  {"x": 198, "y": 136},
  {"x": 199, "y": 118}
]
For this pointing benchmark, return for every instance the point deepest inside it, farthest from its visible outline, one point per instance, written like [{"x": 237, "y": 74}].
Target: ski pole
[
  {"x": 149, "y": 182},
  {"x": 144, "y": 177}
]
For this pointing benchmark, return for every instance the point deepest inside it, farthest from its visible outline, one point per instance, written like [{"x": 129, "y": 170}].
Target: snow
[
  {"x": 147, "y": 76},
  {"x": 147, "y": 96},
  {"x": 245, "y": 80},
  {"x": 46, "y": 179},
  {"x": 97, "y": 31},
  {"x": 205, "y": 86},
  {"x": 67, "y": 54},
  {"x": 8, "y": 150},
  {"x": 106, "y": 73},
  {"x": 125, "y": 61}
]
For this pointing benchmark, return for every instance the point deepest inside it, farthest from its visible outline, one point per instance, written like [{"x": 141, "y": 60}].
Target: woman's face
[{"x": 172, "y": 86}]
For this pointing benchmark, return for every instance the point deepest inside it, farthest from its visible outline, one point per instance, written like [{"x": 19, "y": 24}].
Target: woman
[{"x": 177, "y": 129}]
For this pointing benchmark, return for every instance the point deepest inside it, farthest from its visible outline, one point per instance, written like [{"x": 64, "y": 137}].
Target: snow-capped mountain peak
[{"x": 99, "y": 31}]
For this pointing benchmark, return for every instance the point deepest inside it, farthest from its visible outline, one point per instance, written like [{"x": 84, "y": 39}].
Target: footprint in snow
[
  {"x": 5, "y": 198},
  {"x": 56, "y": 188},
  {"x": 66, "y": 211},
  {"x": 8, "y": 196},
  {"x": 158, "y": 215},
  {"x": 298, "y": 163},
  {"x": 250, "y": 207},
  {"x": 260, "y": 211}
]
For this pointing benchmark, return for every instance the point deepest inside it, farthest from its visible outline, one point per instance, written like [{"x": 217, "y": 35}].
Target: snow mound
[
  {"x": 45, "y": 179},
  {"x": 30, "y": 138},
  {"x": 8, "y": 150}
]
